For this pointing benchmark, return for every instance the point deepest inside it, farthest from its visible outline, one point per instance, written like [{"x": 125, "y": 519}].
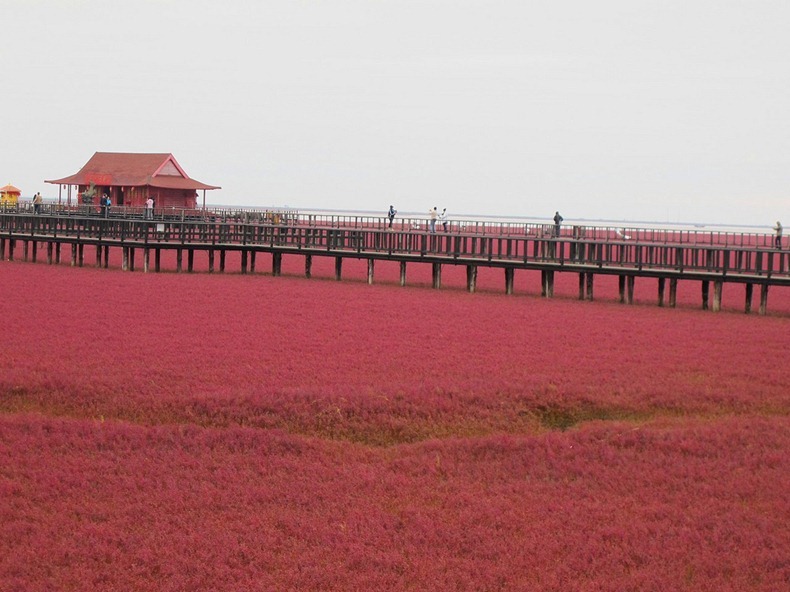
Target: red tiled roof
[
  {"x": 10, "y": 189},
  {"x": 126, "y": 169}
]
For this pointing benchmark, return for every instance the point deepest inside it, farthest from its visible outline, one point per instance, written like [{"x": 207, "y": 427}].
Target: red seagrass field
[{"x": 248, "y": 432}]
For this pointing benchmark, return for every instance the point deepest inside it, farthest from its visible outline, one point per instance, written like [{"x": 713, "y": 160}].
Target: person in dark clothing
[
  {"x": 557, "y": 222},
  {"x": 391, "y": 214}
]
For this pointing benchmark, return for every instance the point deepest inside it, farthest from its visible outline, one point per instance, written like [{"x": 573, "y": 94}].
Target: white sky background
[{"x": 666, "y": 110}]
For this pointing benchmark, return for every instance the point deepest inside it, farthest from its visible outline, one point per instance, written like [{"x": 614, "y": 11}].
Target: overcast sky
[{"x": 666, "y": 110}]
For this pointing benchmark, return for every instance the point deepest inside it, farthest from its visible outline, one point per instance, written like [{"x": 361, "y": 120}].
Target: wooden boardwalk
[{"x": 587, "y": 252}]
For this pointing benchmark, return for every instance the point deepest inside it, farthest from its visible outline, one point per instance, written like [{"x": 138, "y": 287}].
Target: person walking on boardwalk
[
  {"x": 434, "y": 214},
  {"x": 391, "y": 214},
  {"x": 557, "y": 222},
  {"x": 443, "y": 219},
  {"x": 149, "y": 208},
  {"x": 37, "y": 201},
  {"x": 778, "y": 231}
]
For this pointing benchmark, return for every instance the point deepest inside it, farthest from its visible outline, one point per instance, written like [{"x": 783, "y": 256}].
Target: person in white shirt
[{"x": 443, "y": 219}]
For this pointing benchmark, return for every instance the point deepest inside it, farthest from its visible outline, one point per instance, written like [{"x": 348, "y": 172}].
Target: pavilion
[{"x": 131, "y": 178}]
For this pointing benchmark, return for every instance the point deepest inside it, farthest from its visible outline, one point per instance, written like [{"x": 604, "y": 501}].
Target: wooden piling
[
  {"x": 436, "y": 275},
  {"x": 157, "y": 260},
  {"x": 80, "y": 254},
  {"x": 338, "y": 268},
  {"x": 582, "y": 283},
  {"x": 717, "y": 286},
  {"x": 57, "y": 253},
  {"x": 146, "y": 259},
  {"x": 509, "y": 274},
  {"x": 191, "y": 260},
  {"x": 211, "y": 260},
  {"x": 621, "y": 288},
  {"x": 590, "y": 280},
  {"x": 125, "y": 261},
  {"x": 661, "y": 282},
  {"x": 705, "y": 294},
  {"x": 547, "y": 283},
  {"x": 673, "y": 292},
  {"x": 471, "y": 278},
  {"x": 630, "y": 280},
  {"x": 370, "y": 271},
  {"x": 308, "y": 266},
  {"x": 35, "y": 251},
  {"x": 402, "y": 273},
  {"x": 252, "y": 261},
  {"x": 243, "y": 261},
  {"x": 222, "y": 260},
  {"x": 749, "y": 293},
  {"x": 763, "y": 298}
]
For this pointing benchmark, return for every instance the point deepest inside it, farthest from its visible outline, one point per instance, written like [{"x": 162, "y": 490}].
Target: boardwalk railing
[
  {"x": 293, "y": 217},
  {"x": 602, "y": 251}
]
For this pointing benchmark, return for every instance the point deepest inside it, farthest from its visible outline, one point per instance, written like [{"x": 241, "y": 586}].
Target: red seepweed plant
[{"x": 234, "y": 432}]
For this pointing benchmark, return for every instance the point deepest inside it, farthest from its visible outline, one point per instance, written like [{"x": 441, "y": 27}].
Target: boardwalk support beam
[
  {"x": 717, "y": 285},
  {"x": 749, "y": 293},
  {"x": 763, "y": 298},
  {"x": 509, "y": 273},
  {"x": 471, "y": 278},
  {"x": 277, "y": 264}
]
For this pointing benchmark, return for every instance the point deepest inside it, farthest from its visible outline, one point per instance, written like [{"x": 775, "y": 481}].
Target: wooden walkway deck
[{"x": 587, "y": 253}]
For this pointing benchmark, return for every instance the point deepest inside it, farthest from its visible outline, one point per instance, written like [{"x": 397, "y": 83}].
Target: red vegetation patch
[{"x": 180, "y": 432}]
